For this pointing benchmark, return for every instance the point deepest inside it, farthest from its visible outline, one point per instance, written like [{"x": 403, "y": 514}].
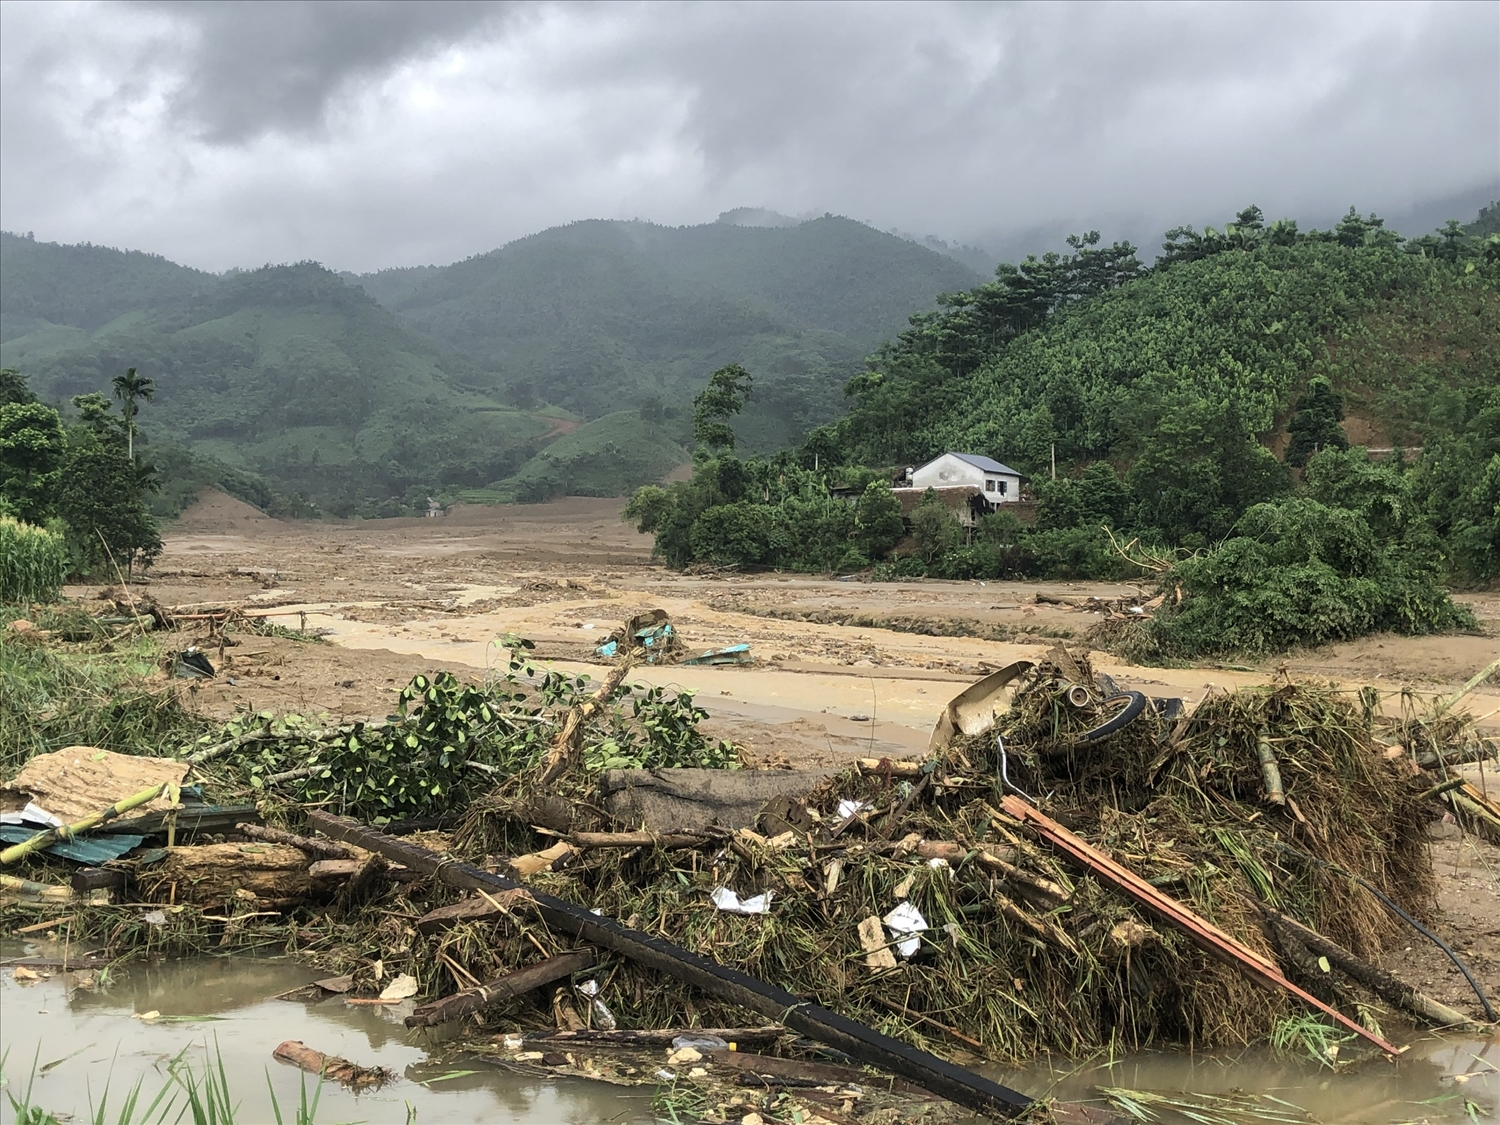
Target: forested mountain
[
  {"x": 460, "y": 374},
  {"x": 85, "y": 287},
  {"x": 598, "y": 315},
  {"x": 285, "y": 371}
]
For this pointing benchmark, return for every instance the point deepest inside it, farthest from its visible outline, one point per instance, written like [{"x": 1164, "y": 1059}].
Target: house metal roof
[{"x": 988, "y": 464}]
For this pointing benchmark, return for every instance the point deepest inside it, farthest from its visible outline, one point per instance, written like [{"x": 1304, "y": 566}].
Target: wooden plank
[
  {"x": 1204, "y": 934},
  {"x": 501, "y": 989},
  {"x": 859, "y": 1042}
]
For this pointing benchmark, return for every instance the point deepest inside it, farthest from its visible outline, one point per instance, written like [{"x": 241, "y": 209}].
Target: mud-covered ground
[{"x": 841, "y": 667}]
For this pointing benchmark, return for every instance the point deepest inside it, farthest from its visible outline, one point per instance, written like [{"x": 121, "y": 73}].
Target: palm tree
[{"x": 128, "y": 388}]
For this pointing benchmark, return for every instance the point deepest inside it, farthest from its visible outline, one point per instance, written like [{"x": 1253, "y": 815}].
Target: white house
[{"x": 999, "y": 484}]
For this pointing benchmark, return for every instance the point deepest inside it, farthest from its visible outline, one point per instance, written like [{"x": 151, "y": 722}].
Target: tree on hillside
[
  {"x": 1487, "y": 222},
  {"x": 725, "y": 396},
  {"x": 13, "y": 388},
  {"x": 131, "y": 389},
  {"x": 31, "y": 453},
  {"x": 1315, "y": 425}
]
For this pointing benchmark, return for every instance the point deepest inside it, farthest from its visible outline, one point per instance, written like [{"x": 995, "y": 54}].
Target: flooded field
[{"x": 89, "y": 1041}]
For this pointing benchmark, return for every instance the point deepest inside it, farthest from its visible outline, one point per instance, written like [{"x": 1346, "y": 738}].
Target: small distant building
[
  {"x": 999, "y": 484},
  {"x": 968, "y": 485}
]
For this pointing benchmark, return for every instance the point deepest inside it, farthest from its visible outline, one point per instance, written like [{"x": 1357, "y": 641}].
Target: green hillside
[
  {"x": 1230, "y": 326},
  {"x": 598, "y": 315},
  {"x": 1204, "y": 405},
  {"x": 297, "y": 375},
  {"x": 293, "y": 374},
  {"x": 610, "y": 456},
  {"x": 84, "y": 287}
]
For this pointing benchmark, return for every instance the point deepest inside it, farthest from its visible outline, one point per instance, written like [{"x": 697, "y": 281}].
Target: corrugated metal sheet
[{"x": 89, "y": 850}]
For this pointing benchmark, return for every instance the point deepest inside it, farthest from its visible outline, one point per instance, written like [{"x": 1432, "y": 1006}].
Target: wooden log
[
  {"x": 955, "y": 853},
  {"x": 211, "y": 874},
  {"x": 859, "y": 1042},
  {"x": 328, "y": 849},
  {"x": 340, "y": 1070},
  {"x": 903, "y": 768},
  {"x": 470, "y": 910},
  {"x": 334, "y": 868},
  {"x": 658, "y": 1036},
  {"x": 501, "y": 989},
  {"x": 638, "y": 839},
  {"x": 1389, "y": 987}
]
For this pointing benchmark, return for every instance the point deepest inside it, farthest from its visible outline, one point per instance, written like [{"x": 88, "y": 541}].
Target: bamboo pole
[
  {"x": 66, "y": 832},
  {"x": 1268, "y": 767}
]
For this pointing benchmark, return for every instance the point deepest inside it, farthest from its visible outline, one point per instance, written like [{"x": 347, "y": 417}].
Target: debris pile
[{"x": 1072, "y": 866}]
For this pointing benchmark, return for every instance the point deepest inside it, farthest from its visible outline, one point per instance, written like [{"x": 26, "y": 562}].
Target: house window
[
  {"x": 989, "y": 486},
  {"x": 1001, "y": 489}
]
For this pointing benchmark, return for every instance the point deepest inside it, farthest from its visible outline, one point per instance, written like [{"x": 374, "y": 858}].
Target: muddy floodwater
[{"x": 87, "y": 1041}]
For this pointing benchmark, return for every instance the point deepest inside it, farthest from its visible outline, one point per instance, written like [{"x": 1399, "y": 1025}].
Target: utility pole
[{"x": 1054, "y": 460}]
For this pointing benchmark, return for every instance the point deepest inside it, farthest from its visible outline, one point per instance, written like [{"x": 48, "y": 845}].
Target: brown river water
[{"x": 85, "y": 1042}]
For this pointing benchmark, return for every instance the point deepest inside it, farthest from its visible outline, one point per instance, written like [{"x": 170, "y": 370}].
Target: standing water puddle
[{"x": 85, "y": 1041}]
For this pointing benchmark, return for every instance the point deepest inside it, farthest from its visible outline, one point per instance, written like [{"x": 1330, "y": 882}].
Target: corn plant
[{"x": 33, "y": 562}]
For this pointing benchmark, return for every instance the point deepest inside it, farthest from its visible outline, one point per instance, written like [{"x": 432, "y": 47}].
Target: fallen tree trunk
[
  {"x": 1389, "y": 987},
  {"x": 501, "y": 989},
  {"x": 859, "y": 1042}
]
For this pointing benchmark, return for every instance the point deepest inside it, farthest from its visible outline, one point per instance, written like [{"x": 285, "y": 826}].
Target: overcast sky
[{"x": 374, "y": 134}]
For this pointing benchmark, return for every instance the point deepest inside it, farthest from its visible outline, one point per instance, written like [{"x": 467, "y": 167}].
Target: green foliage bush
[
  {"x": 1298, "y": 572},
  {"x": 33, "y": 562}
]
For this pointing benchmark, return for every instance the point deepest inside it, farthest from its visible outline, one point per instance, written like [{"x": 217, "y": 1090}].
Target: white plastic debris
[
  {"x": 731, "y": 903},
  {"x": 155, "y": 917},
  {"x": 31, "y": 814},
  {"x": 849, "y": 808},
  {"x": 906, "y": 924},
  {"x": 700, "y": 1043},
  {"x": 403, "y": 986},
  {"x": 514, "y": 1042}
]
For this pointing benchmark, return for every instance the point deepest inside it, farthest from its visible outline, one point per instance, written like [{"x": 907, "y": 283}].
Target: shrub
[
  {"x": 1301, "y": 573},
  {"x": 33, "y": 562}
]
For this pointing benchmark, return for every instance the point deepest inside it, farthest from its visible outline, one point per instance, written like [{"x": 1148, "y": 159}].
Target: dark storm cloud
[
  {"x": 256, "y": 65},
  {"x": 375, "y": 134}
]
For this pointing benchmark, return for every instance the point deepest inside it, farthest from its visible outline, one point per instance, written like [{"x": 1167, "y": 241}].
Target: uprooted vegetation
[{"x": 908, "y": 896}]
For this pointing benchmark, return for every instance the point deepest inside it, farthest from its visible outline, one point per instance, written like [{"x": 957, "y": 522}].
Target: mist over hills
[{"x": 365, "y": 394}]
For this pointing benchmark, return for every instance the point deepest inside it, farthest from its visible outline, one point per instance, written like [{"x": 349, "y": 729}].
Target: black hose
[{"x": 1489, "y": 1012}]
